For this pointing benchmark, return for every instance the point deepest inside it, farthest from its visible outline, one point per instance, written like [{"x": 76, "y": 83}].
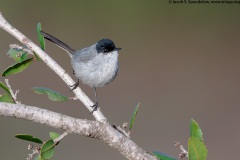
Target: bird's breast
[{"x": 99, "y": 71}]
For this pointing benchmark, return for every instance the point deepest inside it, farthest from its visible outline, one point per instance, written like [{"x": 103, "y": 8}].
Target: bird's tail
[{"x": 57, "y": 42}]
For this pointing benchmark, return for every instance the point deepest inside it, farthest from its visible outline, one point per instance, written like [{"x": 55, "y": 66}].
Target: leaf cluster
[
  {"x": 196, "y": 148},
  {"x": 47, "y": 148}
]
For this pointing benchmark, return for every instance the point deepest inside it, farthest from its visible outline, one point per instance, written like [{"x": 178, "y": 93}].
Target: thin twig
[
  {"x": 74, "y": 98},
  {"x": 35, "y": 151},
  {"x": 57, "y": 140},
  {"x": 14, "y": 95},
  {"x": 183, "y": 153}
]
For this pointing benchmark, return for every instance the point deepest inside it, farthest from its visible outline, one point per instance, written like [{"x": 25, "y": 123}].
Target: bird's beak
[{"x": 117, "y": 49}]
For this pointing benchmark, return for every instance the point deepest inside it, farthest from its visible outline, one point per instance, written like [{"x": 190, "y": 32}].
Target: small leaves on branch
[
  {"x": 40, "y": 36},
  {"x": 54, "y": 135},
  {"x": 195, "y": 130},
  {"x": 47, "y": 150},
  {"x": 5, "y": 88},
  {"x": 124, "y": 126},
  {"x": 134, "y": 116},
  {"x": 17, "y": 67},
  {"x": 196, "y": 148},
  {"x": 30, "y": 138},
  {"x": 18, "y": 55},
  {"x": 52, "y": 95},
  {"x": 8, "y": 97}
]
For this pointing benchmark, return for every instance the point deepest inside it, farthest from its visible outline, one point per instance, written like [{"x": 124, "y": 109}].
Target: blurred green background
[{"x": 181, "y": 61}]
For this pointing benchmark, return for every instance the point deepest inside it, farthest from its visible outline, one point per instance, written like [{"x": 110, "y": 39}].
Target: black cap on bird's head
[{"x": 106, "y": 46}]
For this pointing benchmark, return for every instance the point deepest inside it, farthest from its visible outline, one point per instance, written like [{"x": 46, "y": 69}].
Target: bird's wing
[{"x": 85, "y": 54}]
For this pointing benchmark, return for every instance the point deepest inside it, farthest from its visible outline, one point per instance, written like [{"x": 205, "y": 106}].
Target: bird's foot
[
  {"x": 74, "y": 86},
  {"x": 95, "y": 106}
]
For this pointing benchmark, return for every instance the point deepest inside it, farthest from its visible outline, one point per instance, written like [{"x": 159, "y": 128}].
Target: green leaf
[
  {"x": 196, "y": 149},
  {"x": 6, "y": 98},
  {"x": 17, "y": 54},
  {"x": 5, "y": 88},
  {"x": 134, "y": 116},
  {"x": 53, "y": 95},
  {"x": 28, "y": 137},
  {"x": 17, "y": 67},
  {"x": 40, "y": 36},
  {"x": 195, "y": 130},
  {"x": 47, "y": 150},
  {"x": 163, "y": 156},
  {"x": 53, "y": 135},
  {"x": 37, "y": 158}
]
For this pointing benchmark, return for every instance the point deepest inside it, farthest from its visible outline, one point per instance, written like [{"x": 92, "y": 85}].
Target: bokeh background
[{"x": 181, "y": 61}]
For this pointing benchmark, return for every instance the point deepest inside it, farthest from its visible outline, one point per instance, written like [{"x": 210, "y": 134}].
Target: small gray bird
[{"x": 95, "y": 66}]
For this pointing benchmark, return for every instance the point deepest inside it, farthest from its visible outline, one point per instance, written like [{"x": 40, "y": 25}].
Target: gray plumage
[
  {"x": 95, "y": 66},
  {"x": 95, "y": 69}
]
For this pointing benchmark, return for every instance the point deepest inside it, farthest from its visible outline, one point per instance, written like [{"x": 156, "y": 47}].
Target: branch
[
  {"x": 14, "y": 95},
  {"x": 99, "y": 129},
  {"x": 183, "y": 153},
  {"x": 92, "y": 129},
  {"x": 53, "y": 65}
]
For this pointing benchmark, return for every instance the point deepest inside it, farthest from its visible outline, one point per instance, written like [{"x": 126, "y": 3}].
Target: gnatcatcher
[{"x": 95, "y": 66}]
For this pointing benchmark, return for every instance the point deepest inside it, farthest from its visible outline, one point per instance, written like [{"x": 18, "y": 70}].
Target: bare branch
[
  {"x": 14, "y": 95},
  {"x": 35, "y": 151},
  {"x": 92, "y": 129},
  {"x": 183, "y": 153},
  {"x": 53, "y": 65}
]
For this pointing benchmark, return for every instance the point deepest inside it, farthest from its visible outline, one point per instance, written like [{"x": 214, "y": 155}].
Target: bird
[{"x": 96, "y": 65}]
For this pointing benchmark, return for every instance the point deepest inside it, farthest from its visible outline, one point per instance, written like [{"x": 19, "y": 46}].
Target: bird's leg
[
  {"x": 95, "y": 106},
  {"x": 74, "y": 86}
]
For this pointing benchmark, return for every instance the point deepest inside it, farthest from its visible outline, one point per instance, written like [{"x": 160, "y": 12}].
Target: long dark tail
[{"x": 58, "y": 42}]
